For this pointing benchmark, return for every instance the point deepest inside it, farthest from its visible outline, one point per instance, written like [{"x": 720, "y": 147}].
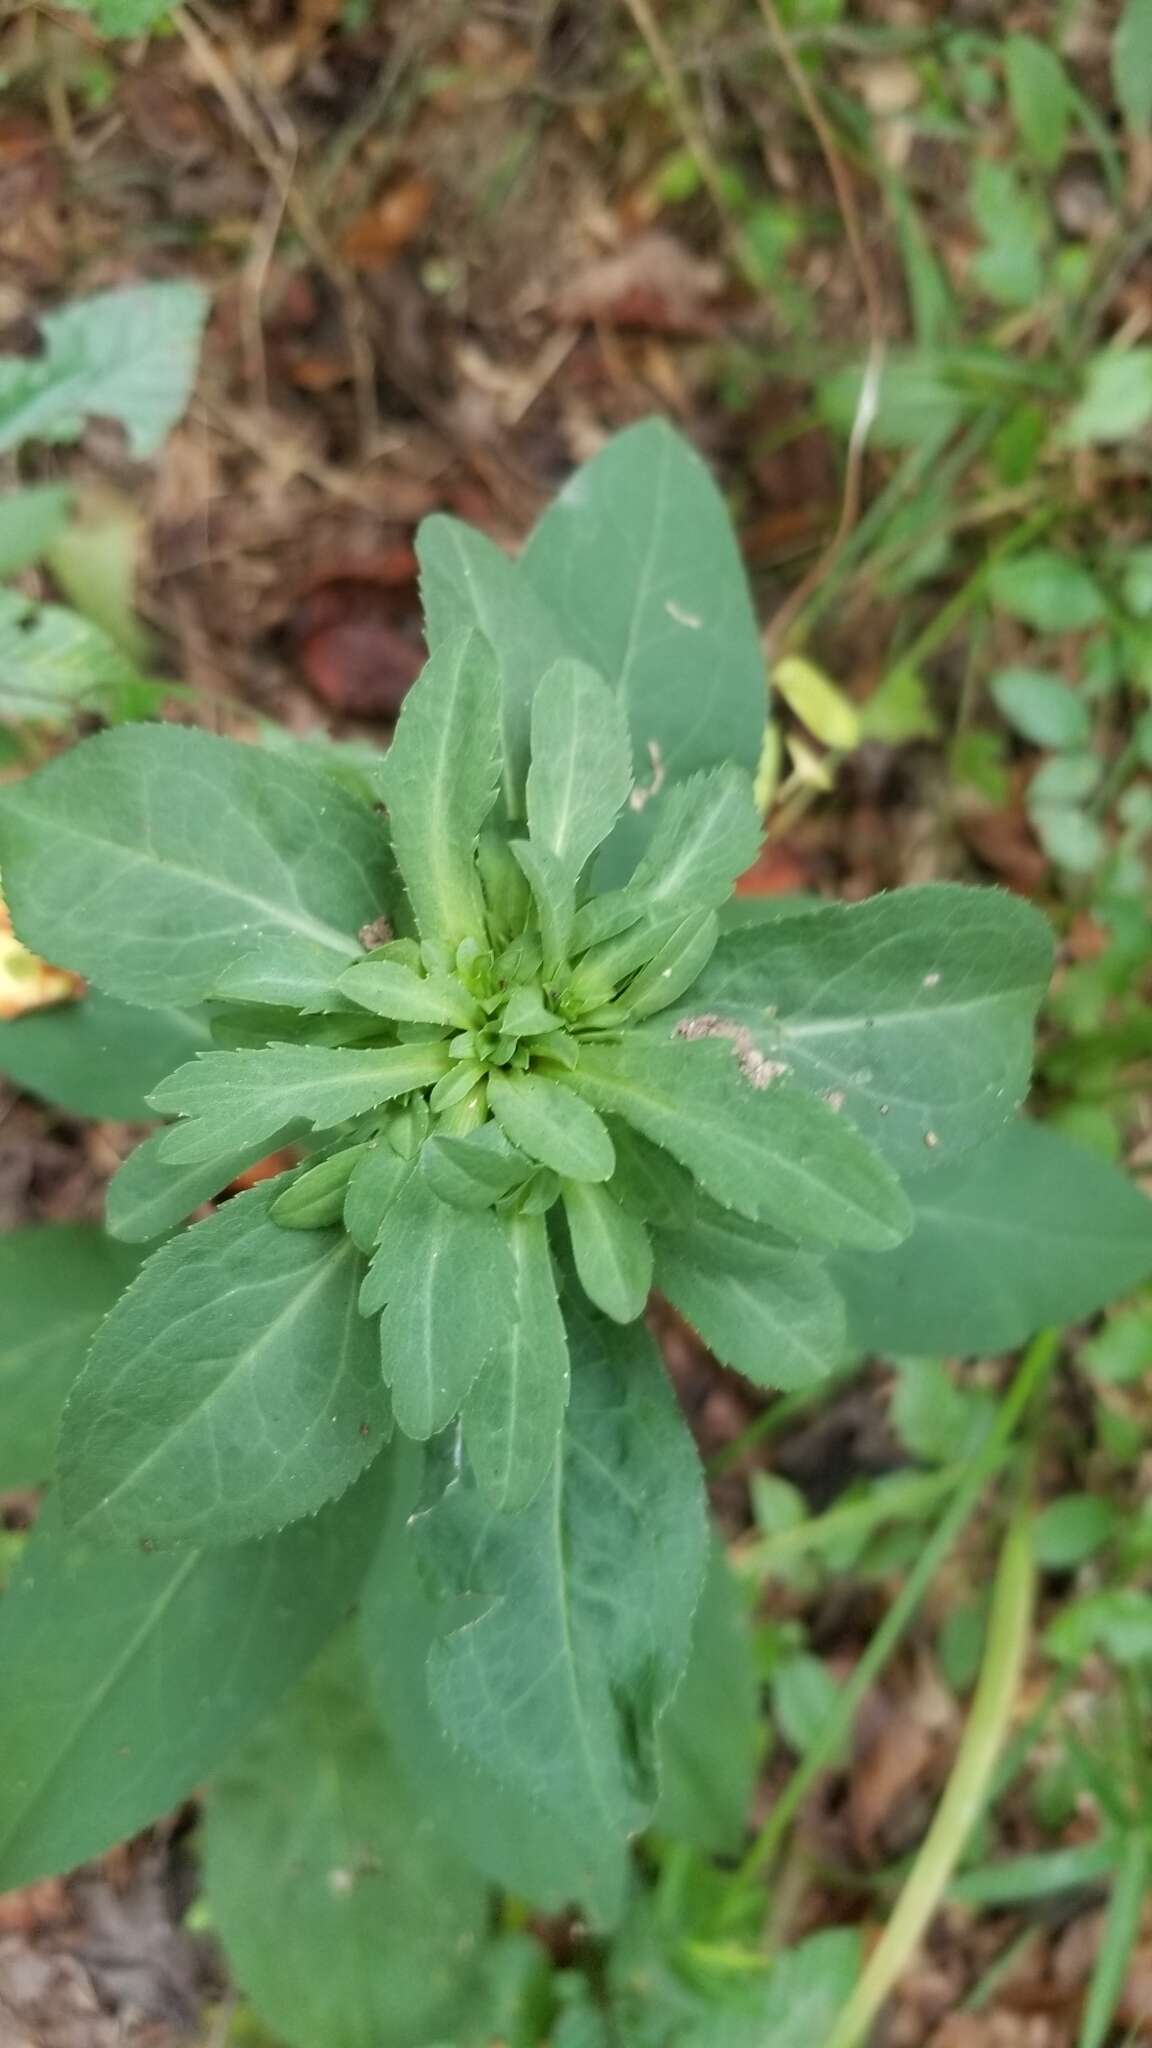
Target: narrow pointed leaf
[
  {"x": 709, "y": 832},
  {"x": 56, "y": 1283},
  {"x": 158, "y": 1666},
  {"x": 446, "y": 1277},
  {"x": 551, "y": 1123},
  {"x": 346, "y": 1915},
  {"x": 553, "y": 895},
  {"x": 612, "y": 1251},
  {"x": 515, "y": 1412},
  {"x": 581, "y": 769},
  {"x": 772, "y": 1313},
  {"x": 314, "y": 1198},
  {"x": 234, "y": 1387},
  {"x": 767, "y": 1150},
  {"x": 675, "y": 968},
  {"x": 1031, "y": 1230},
  {"x": 557, "y": 1692},
  {"x": 245, "y": 1097},
  {"x": 148, "y": 1195},
  {"x": 440, "y": 782},
  {"x": 151, "y": 857},
  {"x": 377, "y": 1180},
  {"x": 393, "y": 990},
  {"x": 913, "y": 1012}
]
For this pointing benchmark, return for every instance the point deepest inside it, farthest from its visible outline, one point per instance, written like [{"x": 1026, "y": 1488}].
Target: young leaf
[
  {"x": 98, "y": 1057},
  {"x": 612, "y": 1250},
  {"x": 554, "y": 896},
  {"x": 549, "y": 1122},
  {"x": 912, "y": 1012},
  {"x": 473, "y": 1172},
  {"x": 158, "y": 1666},
  {"x": 1039, "y": 96},
  {"x": 708, "y": 833},
  {"x": 55, "y": 664},
  {"x": 298, "y": 974},
  {"x": 557, "y": 1692},
  {"x": 446, "y": 1277},
  {"x": 245, "y": 1097},
  {"x": 676, "y": 967},
  {"x": 710, "y": 1738},
  {"x": 391, "y": 989},
  {"x": 581, "y": 769},
  {"x": 234, "y": 1388},
  {"x": 440, "y": 782},
  {"x": 1031, "y": 1230},
  {"x": 128, "y": 355},
  {"x": 770, "y": 1312},
  {"x": 514, "y": 1413},
  {"x": 56, "y": 1284},
  {"x": 377, "y": 1180},
  {"x": 756, "y": 1145},
  {"x": 150, "y": 857},
  {"x": 346, "y": 1915},
  {"x": 466, "y": 580},
  {"x": 637, "y": 562},
  {"x": 314, "y": 1198},
  {"x": 148, "y": 1196}
]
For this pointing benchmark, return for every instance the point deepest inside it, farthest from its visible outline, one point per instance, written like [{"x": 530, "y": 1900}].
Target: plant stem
[
  {"x": 1034, "y": 1369},
  {"x": 1120, "y": 1930},
  {"x": 1009, "y": 1628}
]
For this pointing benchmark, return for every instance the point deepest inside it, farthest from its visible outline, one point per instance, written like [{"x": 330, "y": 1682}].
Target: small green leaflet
[
  {"x": 298, "y": 974},
  {"x": 147, "y": 1195},
  {"x": 765, "y": 1149},
  {"x": 30, "y": 520},
  {"x": 1039, "y": 95},
  {"x": 515, "y": 1411},
  {"x": 234, "y": 1388},
  {"x": 391, "y": 989},
  {"x": 213, "y": 845},
  {"x": 708, "y": 833},
  {"x": 99, "y": 1057},
  {"x": 611, "y": 1250},
  {"x": 158, "y": 1666},
  {"x": 466, "y": 580},
  {"x": 473, "y": 1172},
  {"x": 549, "y": 1122},
  {"x": 314, "y": 1197},
  {"x": 710, "y": 1738},
  {"x": 128, "y": 355},
  {"x": 637, "y": 563},
  {"x": 553, "y": 895},
  {"x": 55, "y": 664},
  {"x": 345, "y": 1914},
  {"x": 581, "y": 769},
  {"x": 445, "y": 1275},
  {"x": 1031, "y": 1230},
  {"x": 440, "y": 780},
  {"x": 579, "y": 1609},
  {"x": 771, "y": 1313},
  {"x": 912, "y": 1013},
  {"x": 56, "y": 1283},
  {"x": 377, "y": 1180},
  {"x": 243, "y": 1098}
]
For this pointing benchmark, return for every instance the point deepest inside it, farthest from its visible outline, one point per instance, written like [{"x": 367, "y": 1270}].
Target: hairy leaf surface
[
  {"x": 514, "y": 1413},
  {"x": 245, "y": 1097},
  {"x": 772, "y": 1313},
  {"x": 581, "y": 768},
  {"x": 551, "y": 1123}
]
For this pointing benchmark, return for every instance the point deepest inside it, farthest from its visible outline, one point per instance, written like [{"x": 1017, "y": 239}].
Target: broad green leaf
[
  {"x": 1132, "y": 64},
  {"x": 494, "y": 1824},
  {"x": 155, "y": 1666},
  {"x": 637, "y": 561},
  {"x": 56, "y": 1283},
  {"x": 514, "y": 1413},
  {"x": 553, "y": 1676},
  {"x": 297, "y": 974},
  {"x": 611, "y": 1249},
  {"x": 1047, "y": 590},
  {"x": 440, "y": 782},
  {"x": 581, "y": 769},
  {"x": 150, "y": 857},
  {"x": 30, "y": 519},
  {"x": 346, "y": 1916},
  {"x": 1042, "y": 708},
  {"x": 99, "y": 1057},
  {"x": 466, "y": 580},
  {"x": 241, "y": 1098},
  {"x": 147, "y": 1195},
  {"x": 444, "y": 1276},
  {"x": 234, "y": 1388},
  {"x": 473, "y": 1172},
  {"x": 551, "y": 1123},
  {"x": 55, "y": 664},
  {"x": 1031, "y": 1230},
  {"x": 1117, "y": 399},
  {"x": 1039, "y": 96},
  {"x": 767, "y": 1310},
  {"x": 710, "y": 1738},
  {"x": 129, "y": 355},
  {"x": 391, "y": 989},
  {"x": 707, "y": 834},
  {"x": 756, "y": 1145},
  {"x": 910, "y": 1013}
]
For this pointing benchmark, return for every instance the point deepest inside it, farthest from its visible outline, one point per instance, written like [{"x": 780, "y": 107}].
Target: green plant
[{"x": 536, "y": 1064}]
